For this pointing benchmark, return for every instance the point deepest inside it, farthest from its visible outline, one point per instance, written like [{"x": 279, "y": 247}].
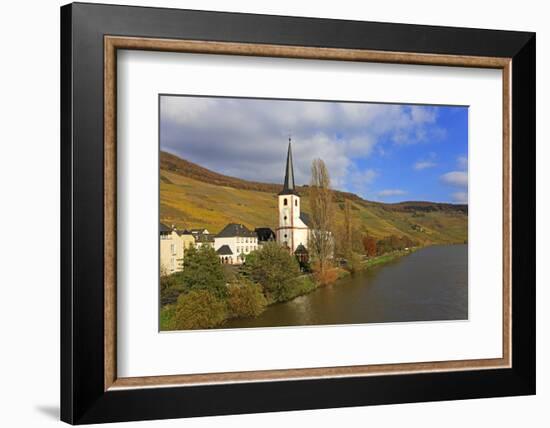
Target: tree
[
  {"x": 274, "y": 269},
  {"x": 245, "y": 299},
  {"x": 348, "y": 228},
  {"x": 321, "y": 241},
  {"x": 395, "y": 242},
  {"x": 383, "y": 246},
  {"x": 202, "y": 271},
  {"x": 369, "y": 244},
  {"x": 199, "y": 309}
]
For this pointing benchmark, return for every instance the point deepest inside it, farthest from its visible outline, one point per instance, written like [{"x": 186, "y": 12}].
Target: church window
[
  {"x": 285, "y": 235},
  {"x": 296, "y": 203},
  {"x": 285, "y": 217},
  {"x": 285, "y": 202}
]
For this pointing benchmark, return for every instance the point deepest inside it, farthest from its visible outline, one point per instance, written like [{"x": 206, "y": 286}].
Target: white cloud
[
  {"x": 359, "y": 181},
  {"x": 247, "y": 138},
  {"x": 422, "y": 114},
  {"x": 420, "y": 165},
  {"x": 460, "y": 197},
  {"x": 455, "y": 178},
  {"x": 391, "y": 192},
  {"x": 462, "y": 162},
  {"x": 458, "y": 179}
]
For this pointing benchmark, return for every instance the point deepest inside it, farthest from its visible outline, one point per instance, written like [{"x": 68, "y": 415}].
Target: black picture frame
[{"x": 83, "y": 399}]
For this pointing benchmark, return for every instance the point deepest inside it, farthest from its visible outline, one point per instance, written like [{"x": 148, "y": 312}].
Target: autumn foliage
[
  {"x": 325, "y": 276},
  {"x": 369, "y": 244}
]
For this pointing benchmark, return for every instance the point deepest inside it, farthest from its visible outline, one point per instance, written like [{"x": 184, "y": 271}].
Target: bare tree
[
  {"x": 348, "y": 230},
  {"x": 321, "y": 240}
]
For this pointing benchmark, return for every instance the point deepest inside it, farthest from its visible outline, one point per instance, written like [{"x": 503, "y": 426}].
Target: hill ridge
[{"x": 176, "y": 164}]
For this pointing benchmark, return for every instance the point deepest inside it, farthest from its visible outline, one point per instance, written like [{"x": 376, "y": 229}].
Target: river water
[{"x": 428, "y": 285}]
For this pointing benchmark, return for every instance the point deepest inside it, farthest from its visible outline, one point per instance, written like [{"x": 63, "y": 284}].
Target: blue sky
[{"x": 382, "y": 152}]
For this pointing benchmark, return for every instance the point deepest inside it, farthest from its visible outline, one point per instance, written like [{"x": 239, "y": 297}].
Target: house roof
[
  {"x": 265, "y": 234},
  {"x": 203, "y": 237},
  {"x": 164, "y": 229},
  {"x": 300, "y": 249},
  {"x": 198, "y": 230},
  {"x": 183, "y": 232},
  {"x": 224, "y": 250},
  {"x": 305, "y": 218},
  {"x": 234, "y": 229}
]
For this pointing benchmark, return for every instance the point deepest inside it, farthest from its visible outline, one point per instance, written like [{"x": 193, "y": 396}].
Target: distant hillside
[{"x": 192, "y": 196}]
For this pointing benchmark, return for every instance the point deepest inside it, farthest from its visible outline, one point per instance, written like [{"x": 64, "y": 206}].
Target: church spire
[{"x": 289, "y": 187}]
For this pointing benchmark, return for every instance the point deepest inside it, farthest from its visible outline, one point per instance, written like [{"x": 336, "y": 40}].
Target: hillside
[{"x": 192, "y": 196}]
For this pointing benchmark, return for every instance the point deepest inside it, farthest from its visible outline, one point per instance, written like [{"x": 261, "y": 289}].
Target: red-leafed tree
[{"x": 369, "y": 244}]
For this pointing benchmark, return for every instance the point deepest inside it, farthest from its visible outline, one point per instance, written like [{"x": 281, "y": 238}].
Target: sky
[{"x": 382, "y": 152}]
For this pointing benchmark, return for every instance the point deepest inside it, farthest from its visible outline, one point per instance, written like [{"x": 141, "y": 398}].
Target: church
[{"x": 294, "y": 225}]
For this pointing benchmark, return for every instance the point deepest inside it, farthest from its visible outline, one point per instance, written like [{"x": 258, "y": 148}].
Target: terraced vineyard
[{"x": 192, "y": 196}]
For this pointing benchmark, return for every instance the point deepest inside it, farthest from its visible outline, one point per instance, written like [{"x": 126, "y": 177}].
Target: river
[{"x": 427, "y": 285}]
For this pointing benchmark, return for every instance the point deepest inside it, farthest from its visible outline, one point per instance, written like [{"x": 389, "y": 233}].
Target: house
[
  {"x": 199, "y": 232},
  {"x": 265, "y": 234},
  {"x": 187, "y": 238},
  {"x": 171, "y": 250},
  {"x": 203, "y": 239},
  {"x": 226, "y": 255},
  {"x": 234, "y": 242},
  {"x": 301, "y": 254},
  {"x": 294, "y": 227}
]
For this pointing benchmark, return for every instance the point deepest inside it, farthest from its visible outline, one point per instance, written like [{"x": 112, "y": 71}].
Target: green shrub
[
  {"x": 274, "y": 269},
  {"x": 202, "y": 271},
  {"x": 303, "y": 285},
  {"x": 199, "y": 309},
  {"x": 169, "y": 295},
  {"x": 171, "y": 286},
  {"x": 245, "y": 299},
  {"x": 166, "y": 281},
  {"x": 354, "y": 262},
  {"x": 167, "y": 318}
]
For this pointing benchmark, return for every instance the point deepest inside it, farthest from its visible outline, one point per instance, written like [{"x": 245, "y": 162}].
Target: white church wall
[{"x": 300, "y": 237}]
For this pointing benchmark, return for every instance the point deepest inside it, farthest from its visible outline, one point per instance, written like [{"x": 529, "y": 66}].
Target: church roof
[
  {"x": 305, "y": 218},
  {"x": 234, "y": 229},
  {"x": 265, "y": 234},
  {"x": 224, "y": 250},
  {"x": 289, "y": 187}
]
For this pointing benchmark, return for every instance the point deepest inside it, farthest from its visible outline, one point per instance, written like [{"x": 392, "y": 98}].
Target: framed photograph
[{"x": 265, "y": 213}]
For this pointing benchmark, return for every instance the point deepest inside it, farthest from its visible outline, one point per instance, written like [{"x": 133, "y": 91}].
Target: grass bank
[{"x": 386, "y": 258}]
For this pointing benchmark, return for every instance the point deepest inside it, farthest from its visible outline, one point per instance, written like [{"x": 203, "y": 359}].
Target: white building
[
  {"x": 171, "y": 250},
  {"x": 293, "y": 229},
  {"x": 234, "y": 242}
]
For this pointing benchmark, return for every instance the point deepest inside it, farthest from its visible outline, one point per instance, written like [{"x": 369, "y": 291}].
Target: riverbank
[
  {"x": 430, "y": 285},
  {"x": 388, "y": 257},
  {"x": 304, "y": 284}
]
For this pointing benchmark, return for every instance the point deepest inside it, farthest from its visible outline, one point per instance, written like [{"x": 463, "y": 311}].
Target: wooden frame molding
[{"x": 113, "y": 43}]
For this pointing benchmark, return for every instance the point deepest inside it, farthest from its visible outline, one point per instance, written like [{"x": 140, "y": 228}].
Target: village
[
  {"x": 212, "y": 278},
  {"x": 235, "y": 241}
]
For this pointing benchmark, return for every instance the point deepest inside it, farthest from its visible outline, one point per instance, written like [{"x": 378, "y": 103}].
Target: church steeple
[{"x": 289, "y": 187}]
